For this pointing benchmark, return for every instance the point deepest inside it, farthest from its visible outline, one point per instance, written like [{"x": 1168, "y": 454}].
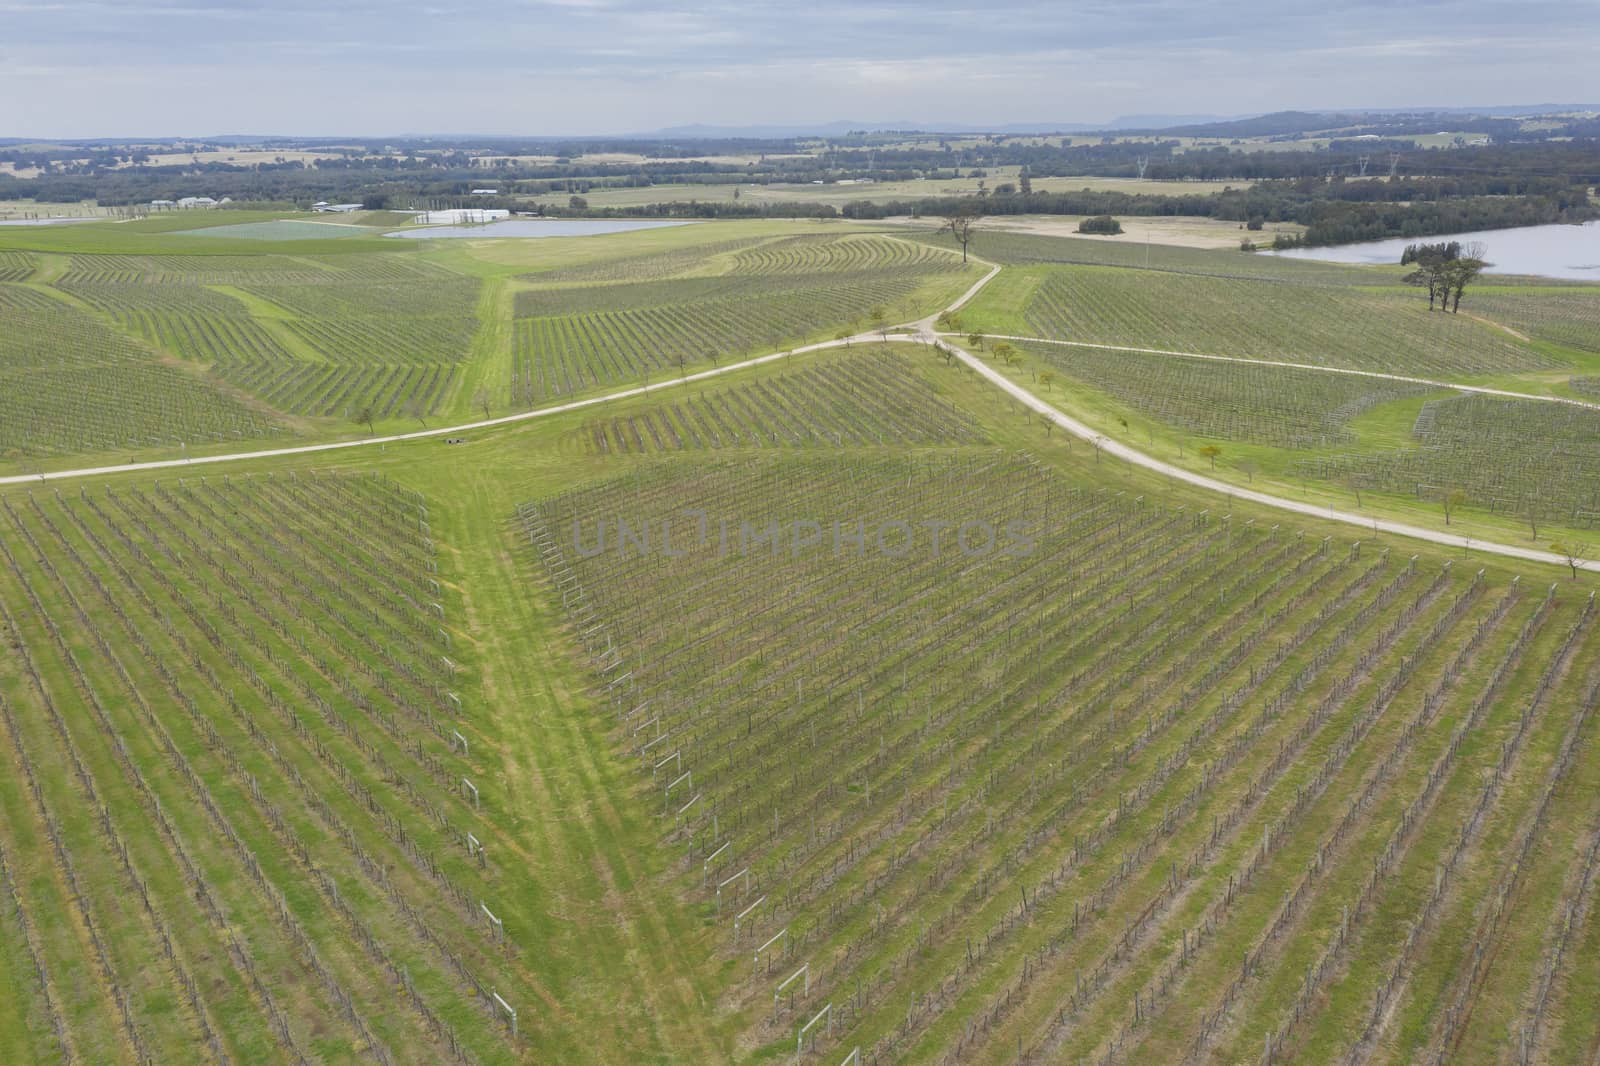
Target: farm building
[
  {"x": 325, "y": 207},
  {"x": 485, "y": 192}
]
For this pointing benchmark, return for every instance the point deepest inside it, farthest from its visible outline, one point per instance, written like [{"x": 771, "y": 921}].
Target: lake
[
  {"x": 1550, "y": 251},
  {"x": 524, "y": 227}
]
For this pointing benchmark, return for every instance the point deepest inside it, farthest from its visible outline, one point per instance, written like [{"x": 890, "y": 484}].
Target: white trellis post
[
  {"x": 742, "y": 915},
  {"x": 498, "y": 926},
  {"x": 457, "y": 739},
  {"x": 678, "y": 819},
  {"x": 509, "y": 1011},
  {"x": 676, "y": 756},
  {"x": 705, "y": 867},
  {"x": 799, "y": 1039},
  {"x": 777, "y": 993},
  {"x": 468, "y": 786},
  {"x": 781, "y": 934}
]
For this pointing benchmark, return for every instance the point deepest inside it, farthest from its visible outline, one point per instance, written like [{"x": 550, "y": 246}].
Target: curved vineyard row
[
  {"x": 647, "y": 267},
  {"x": 788, "y": 256},
  {"x": 15, "y": 266}
]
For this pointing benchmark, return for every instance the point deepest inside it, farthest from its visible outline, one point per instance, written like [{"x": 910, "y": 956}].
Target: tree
[
  {"x": 1025, "y": 182},
  {"x": 481, "y": 399},
  {"x": 1353, "y": 483},
  {"x": 418, "y": 409},
  {"x": 1047, "y": 379},
  {"x": 375, "y": 201},
  {"x": 364, "y": 417},
  {"x": 960, "y": 226},
  {"x": 1574, "y": 553},
  {"x": 577, "y": 203},
  {"x": 1211, "y": 451},
  {"x": 1249, "y": 468},
  {"x": 1459, "y": 273},
  {"x": 1430, "y": 273},
  {"x": 1452, "y": 499},
  {"x": 1005, "y": 352},
  {"x": 1101, "y": 224},
  {"x": 976, "y": 340},
  {"x": 1445, "y": 269}
]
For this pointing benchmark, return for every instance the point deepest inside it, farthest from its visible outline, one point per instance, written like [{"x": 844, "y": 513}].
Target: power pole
[
  {"x": 1363, "y": 166},
  {"x": 1394, "y": 164},
  {"x": 1143, "y": 162}
]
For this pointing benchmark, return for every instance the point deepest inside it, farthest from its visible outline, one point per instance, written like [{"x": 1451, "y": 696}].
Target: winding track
[{"x": 925, "y": 333}]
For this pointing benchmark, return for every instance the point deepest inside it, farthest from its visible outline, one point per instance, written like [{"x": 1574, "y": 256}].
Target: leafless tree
[
  {"x": 1574, "y": 553},
  {"x": 960, "y": 225}
]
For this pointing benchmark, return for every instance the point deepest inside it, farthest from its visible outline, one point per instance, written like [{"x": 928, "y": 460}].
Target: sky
[{"x": 108, "y": 68}]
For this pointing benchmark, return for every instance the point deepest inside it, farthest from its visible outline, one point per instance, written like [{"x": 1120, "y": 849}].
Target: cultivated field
[
  {"x": 1386, "y": 330},
  {"x": 763, "y": 297},
  {"x": 327, "y": 336},
  {"x": 872, "y": 399},
  {"x": 943, "y": 806},
  {"x": 1278, "y": 406},
  {"x": 1539, "y": 461},
  {"x": 70, "y": 384},
  {"x": 832, "y": 709},
  {"x": 238, "y": 820}
]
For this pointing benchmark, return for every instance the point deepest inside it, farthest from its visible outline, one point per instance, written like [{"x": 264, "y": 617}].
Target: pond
[
  {"x": 1557, "y": 251},
  {"x": 529, "y": 227}
]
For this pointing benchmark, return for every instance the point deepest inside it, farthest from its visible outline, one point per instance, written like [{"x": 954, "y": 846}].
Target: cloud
[{"x": 566, "y": 66}]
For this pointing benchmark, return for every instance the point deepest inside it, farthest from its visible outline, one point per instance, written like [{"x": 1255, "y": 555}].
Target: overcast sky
[{"x": 85, "y": 68}]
